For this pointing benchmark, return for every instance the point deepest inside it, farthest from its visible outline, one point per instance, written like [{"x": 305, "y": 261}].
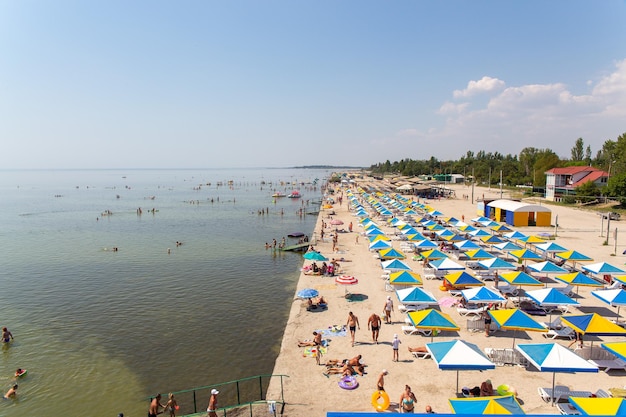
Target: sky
[{"x": 268, "y": 83}]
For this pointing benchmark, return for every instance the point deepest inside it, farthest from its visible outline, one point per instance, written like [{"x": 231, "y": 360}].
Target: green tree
[
  {"x": 588, "y": 189},
  {"x": 577, "y": 150}
]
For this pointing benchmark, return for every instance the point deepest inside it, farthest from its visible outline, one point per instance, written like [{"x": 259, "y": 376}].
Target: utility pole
[
  {"x": 500, "y": 184},
  {"x": 608, "y": 228},
  {"x": 473, "y": 182},
  {"x": 615, "y": 239}
]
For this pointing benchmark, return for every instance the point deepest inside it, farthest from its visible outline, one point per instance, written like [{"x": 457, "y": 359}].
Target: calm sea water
[{"x": 99, "y": 330}]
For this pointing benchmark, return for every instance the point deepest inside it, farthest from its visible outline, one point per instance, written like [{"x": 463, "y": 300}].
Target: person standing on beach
[
  {"x": 352, "y": 323},
  {"x": 155, "y": 404},
  {"x": 380, "y": 384},
  {"x": 212, "y": 408},
  {"x": 374, "y": 322},
  {"x": 395, "y": 344},
  {"x": 487, "y": 319},
  {"x": 171, "y": 405},
  {"x": 388, "y": 308}
]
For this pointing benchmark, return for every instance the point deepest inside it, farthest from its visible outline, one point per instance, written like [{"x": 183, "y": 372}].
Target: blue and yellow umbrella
[
  {"x": 486, "y": 405},
  {"x": 599, "y": 406}
]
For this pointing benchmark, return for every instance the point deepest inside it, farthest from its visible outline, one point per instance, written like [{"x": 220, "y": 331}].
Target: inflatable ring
[
  {"x": 377, "y": 395},
  {"x": 24, "y": 372},
  {"x": 348, "y": 382}
]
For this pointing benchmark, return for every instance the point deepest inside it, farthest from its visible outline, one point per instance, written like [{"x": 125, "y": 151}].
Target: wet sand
[{"x": 309, "y": 392}]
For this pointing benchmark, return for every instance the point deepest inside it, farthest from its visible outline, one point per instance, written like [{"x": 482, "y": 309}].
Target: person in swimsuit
[
  {"x": 380, "y": 384},
  {"x": 317, "y": 340},
  {"x": 374, "y": 322},
  {"x": 171, "y": 405},
  {"x": 7, "y": 336},
  {"x": 155, "y": 404},
  {"x": 11, "y": 393},
  {"x": 352, "y": 323},
  {"x": 212, "y": 408},
  {"x": 388, "y": 308},
  {"x": 487, "y": 318},
  {"x": 407, "y": 400},
  {"x": 395, "y": 344}
]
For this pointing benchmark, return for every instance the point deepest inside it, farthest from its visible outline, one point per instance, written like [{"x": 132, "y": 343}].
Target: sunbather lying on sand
[
  {"x": 317, "y": 340},
  {"x": 418, "y": 349}
]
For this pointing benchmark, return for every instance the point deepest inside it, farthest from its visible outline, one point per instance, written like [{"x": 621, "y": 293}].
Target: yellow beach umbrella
[{"x": 599, "y": 406}]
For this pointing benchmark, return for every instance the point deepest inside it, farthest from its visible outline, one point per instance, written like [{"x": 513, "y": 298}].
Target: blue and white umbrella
[
  {"x": 495, "y": 264},
  {"x": 307, "y": 293},
  {"x": 457, "y": 355},
  {"x": 615, "y": 297},
  {"x": 415, "y": 295},
  {"x": 446, "y": 264},
  {"x": 395, "y": 265},
  {"x": 482, "y": 295},
  {"x": 547, "y": 267},
  {"x": 603, "y": 268}
]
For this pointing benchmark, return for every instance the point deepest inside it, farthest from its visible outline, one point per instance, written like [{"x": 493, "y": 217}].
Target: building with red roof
[{"x": 563, "y": 181}]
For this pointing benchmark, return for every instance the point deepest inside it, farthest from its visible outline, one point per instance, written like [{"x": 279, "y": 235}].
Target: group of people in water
[{"x": 7, "y": 337}]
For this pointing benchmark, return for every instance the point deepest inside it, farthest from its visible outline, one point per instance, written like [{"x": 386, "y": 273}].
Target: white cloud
[
  {"x": 484, "y": 85},
  {"x": 452, "y": 108}
]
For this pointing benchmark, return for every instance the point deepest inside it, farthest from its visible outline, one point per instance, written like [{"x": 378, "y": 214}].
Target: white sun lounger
[
  {"x": 560, "y": 393},
  {"x": 609, "y": 364},
  {"x": 411, "y": 331},
  {"x": 477, "y": 311},
  {"x": 564, "y": 333},
  {"x": 421, "y": 355}
]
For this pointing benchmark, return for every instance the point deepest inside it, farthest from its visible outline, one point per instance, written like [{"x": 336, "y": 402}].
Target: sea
[{"x": 107, "y": 309}]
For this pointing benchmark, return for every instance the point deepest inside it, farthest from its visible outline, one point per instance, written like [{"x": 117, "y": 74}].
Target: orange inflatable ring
[{"x": 378, "y": 395}]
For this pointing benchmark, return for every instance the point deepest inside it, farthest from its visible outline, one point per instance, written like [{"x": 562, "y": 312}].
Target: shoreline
[{"x": 309, "y": 392}]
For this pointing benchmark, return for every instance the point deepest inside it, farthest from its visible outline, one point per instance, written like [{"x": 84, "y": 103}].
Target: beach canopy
[
  {"x": 552, "y": 357},
  {"x": 532, "y": 239},
  {"x": 380, "y": 244},
  {"x": 482, "y": 295},
  {"x": 506, "y": 246},
  {"x": 466, "y": 245},
  {"x": 405, "y": 278},
  {"x": 432, "y": 319},
  {"x": 395, "y": 265},
  {"x": 495, "y": 264},
  {"x": 391, "y": 253},
  {"x": 433, "y": 254},
  {"x": 550, "y": 297},
  {"x": 547, "y": 267},
  {"x": 550, "y": 247},
  {"x": 616, "y": 348},
  {"x": 500, "y": 228},
  {"x": 425, "y": 244},
  {"x": 446, "y": 265},
  {"x": 615, "y": 297},
  {"x": 524, "y": 255},
  {"x": 579, "y": 279},
  {"x": 515, "y": 235},
  {"x": 458, "y": 355},
  {"x": 603, "y": 268},
  {"x": 491, "y": 239},
  {"x": 573, "y": 256},
  {"x": 515, "y": 319},
  {"x": 520, "y": 278},
  {"x": 372, "y": 231},
  {"x": 463, "y": 279},
  {"x": 314, "y": 256},
  {"x": 346, "y": 280},
  {"x": 486, "y": 405},
  {"x": 478, "y": 254},
  {"x": 307, "y": 293},
  {"x": 597, "y": 406},
  {"x": 415, "y": 295},
  {"x": 594, "y": 324},
  {"x": 479, "y": 233}
]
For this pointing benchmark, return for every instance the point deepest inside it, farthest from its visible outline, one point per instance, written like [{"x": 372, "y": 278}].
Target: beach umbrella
[
  {"x": 597, "y": 406},
  {"x": 547, "y": 267},
  {"x": 446, "y": 265},
  {"x": 372, "y": 231},
  {"x": 405, "y": 278},
  {"x": 409, "y": 231},
  {"x": 515, "y": 235},
  {"x": 506, "y": 247},
  {"x": 375, "y": 238},
  {"x": 465, "y": 228},
  {"x": 525, "y": 255},
  {"x": 603, "y": 268},
  {"x": 425, "y": 244},
  {"x": 435, "y": 213},
  {"x": 380, "y": 244},
  {"x": 427, "y": 222},
  {"x": 549, "y": 297},
  {"x": 435, "y": 227},
  {"x": 395, "y": 265},
  {"x": 579, "y": 280},
  {"x": 486, "y": 405},
  {"x": 500, "y": 228},
  {"x": 520, "y": 278},
  {"x": 415, "y": 295},
  {"x": 417, "y": 237},
  {"x": 615, "y": 297},
  {"x": 550, "y": 247},
  {"x": 307, "y": 293},
  {"x": 479, "y": 233},
  {"x": 346, "y": 280},
  {"x": 616, "y": 348},
  {"x": 444, "y": 233},
  {"x": 336, "y": 222},
  {"x": 466, "y": 245},
  {"x": 480, "y": 219},
  {"x": 482, "y": 295},
  {"x": 488, "y": 223},
  {"x": 314, "y": 256},
  {"x": 552, "y": 357},
  {"x": 495, "y": 264},
  {"x": 463, "y": 279},
  {"x": 453, "y": 238},
  {"x": 451, "y": 220},
  {"x": 477, "y": 254},
  {"x": 593, "y": 324},
  {"x": 391, "y": 253},
  {"x": 515, "y": 319},
  {"x": 573, "y": 256},
  {"x": 491, "y": 239},
  {"x": 458, "y": 355},
  {"x": 532, "y": 239},
  {"x": 433, "y": 254}
]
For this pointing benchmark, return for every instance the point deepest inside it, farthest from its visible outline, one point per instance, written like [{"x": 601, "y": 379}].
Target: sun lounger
[
  {"x": 564, "y": 333},
  {"x": 555, "y": 309},
  {"x": 421, "y": 355},
  {"x": 476, "y": 311},
  {"x": 554, "y": 324},
  {"x": 609, "y": 364},
  {"x": 568, "y": 409},
  {"x": 561, "y": 394},
  {"x": 567, "y": 290},
  {"x": 411, "y": 331},
  {"x": 479, "y": 326},
  {"x": 507, "y": 289},
  {"x": 503, "y": 357},
  {"x": 406, "y": 308}
]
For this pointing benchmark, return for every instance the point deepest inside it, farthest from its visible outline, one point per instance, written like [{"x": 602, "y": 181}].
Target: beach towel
[
  {"x": 334, "y": 331},
  {"x": 311, "y": 351}
]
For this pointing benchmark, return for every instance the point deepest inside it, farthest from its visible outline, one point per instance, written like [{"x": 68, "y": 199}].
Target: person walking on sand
[
  {"x": 380, "y": 384},
  {"x": 407, "y": 400},
  {"x": 212, "y": 408},
  {"x": 388, "y": 308},
  {"x": 171, "y": 405},
  {"x": 395, "y": 344},
  {"x": 374, "y": 323},
  {"x": 352, "y": 323}
]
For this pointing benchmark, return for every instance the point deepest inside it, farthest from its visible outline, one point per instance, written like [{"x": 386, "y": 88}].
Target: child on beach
[{"x": 395, "y": 344}]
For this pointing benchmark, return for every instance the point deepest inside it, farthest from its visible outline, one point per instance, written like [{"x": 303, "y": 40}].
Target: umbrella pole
[
  {"x": 457, "y": 381},
  {"x": 514, "y": 334},
  {"x": 553, "y": 396}
]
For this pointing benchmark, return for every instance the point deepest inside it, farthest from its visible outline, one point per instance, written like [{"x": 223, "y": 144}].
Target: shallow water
[{"x": 98, "y": 330}]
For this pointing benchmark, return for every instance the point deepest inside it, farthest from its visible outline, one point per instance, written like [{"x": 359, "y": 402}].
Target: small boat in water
[
  {"x": 295, "y": 234},
  {"x": 279, "y": 194},
  {"x": 294, "y": 194}
]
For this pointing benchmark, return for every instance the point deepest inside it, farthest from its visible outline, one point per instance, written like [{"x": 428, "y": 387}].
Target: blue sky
[{"x": 174, "y": 84}]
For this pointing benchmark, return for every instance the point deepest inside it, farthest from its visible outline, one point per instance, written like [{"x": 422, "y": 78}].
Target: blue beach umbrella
[
  {"x": 616, "y": 297},
  {"x": 446, "y": 265},
  {"x": 314, "y": 256},
  {"x": 425, "y": 244},
  {"x": 482, "y": 295},
  {"x": 307, "y": 293},
  {"x": 463, "y": 279},
  {"x": 475, "y": 254},
  {"x": 514, "y": 235},
  {"x": 457, "y": 355},
  {"x": 479, "y": 233},
  {"x": 495, "y": 264},
  {"x": 520, "y": 278},
  {"x": 486, "y": 405},
  {"x": 547, "y": 267},
  {"x": 598, "y": 406},
  {"x": 415, "y": 295},
  {"x": 395, "y": 265},
  {"x": 465, "y": 245},
  {"x": 603, "y": 268},
  {"x": 550, "y": 247},
  {"x": 405, "y": 278},
  {"x": 379, "y": 244}
]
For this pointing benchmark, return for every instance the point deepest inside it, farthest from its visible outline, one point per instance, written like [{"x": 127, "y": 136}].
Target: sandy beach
[{"x": 308, "y": 391}]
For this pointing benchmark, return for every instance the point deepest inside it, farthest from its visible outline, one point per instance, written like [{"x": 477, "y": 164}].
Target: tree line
[{"x": 527, "y": 168}]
